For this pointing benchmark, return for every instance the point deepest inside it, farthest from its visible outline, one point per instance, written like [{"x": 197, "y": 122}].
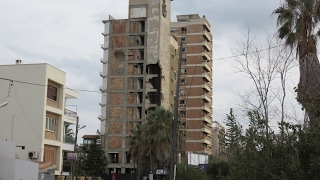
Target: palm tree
[
  {"x": 158, "y": 131},
  {"x": 138, "y": 148},
  {"x": 297, "y": 21},
  {"x": 151, "y": 139},
  {"x": 68, "y": 131}
]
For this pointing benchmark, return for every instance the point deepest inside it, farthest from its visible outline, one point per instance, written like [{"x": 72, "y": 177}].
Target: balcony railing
[
  {"x": 68, "y": 139},
  {"x": 69, "y": 113}
]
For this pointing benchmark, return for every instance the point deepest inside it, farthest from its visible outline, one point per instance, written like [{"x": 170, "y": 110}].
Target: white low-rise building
[
  {"x": 12, "y": 168},
  {"x": 36, "y": 114}
]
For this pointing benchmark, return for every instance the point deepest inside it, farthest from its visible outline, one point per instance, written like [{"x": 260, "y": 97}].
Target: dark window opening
[
  {"x": 114, "y": 157},
  {"x": 52, "y": 93}
]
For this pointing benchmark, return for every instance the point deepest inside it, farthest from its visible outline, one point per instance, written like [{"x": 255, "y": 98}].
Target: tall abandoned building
[
  {"x": 139, "y": 68},
  {"x": 195, "y": 85}
]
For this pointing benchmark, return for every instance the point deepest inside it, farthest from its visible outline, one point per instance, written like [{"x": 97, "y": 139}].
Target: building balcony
[
  {"x": 205, "y": 55},
  {"x": 206, "y": 96},
  {"x": 207, "y": 35},
  {"x": 70, "y": 116},
  {"x": 207, "y": 76},
  {"x": 68, "y": 143},
  {"x": 207, "y": 46},
  {"x": 207, "y": 119},
  {"x": 206, "y": 129},
  {"x": 207, "y": 107},
  {"x": 207, "y": 86},
  {"x": 206, "y": 24},
  {"x": 207, "y": 66},
  {"x": 206, "y": 141}
]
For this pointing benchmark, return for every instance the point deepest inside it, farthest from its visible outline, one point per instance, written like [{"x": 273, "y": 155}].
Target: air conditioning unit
[{"x": 33, "y": 155}]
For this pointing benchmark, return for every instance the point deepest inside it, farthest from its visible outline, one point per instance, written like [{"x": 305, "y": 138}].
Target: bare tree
[{"x": 267, "y": 69}]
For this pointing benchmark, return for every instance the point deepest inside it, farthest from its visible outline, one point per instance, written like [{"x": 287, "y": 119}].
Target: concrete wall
[
  {"x": 23, "y": 118},
  {"x": 12, "y": 168}
]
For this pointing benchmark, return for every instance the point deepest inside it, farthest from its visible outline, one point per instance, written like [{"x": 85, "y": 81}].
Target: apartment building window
[
  {"x": 114, "y": 157},
  {"x": 183, "y": 30},
  {"x": 182, "y": 102},
  {"x": 52, "y": 93},
  {"x": 183, "y": 92},
  {"x": 182, "y": 113},
  {"x": 183, "y": 39},
  {"x": 183, "y": 60},
  {"x": 183, "y": 71},
  {"x": 184, "y": 49},
  {"x": 183, "y": 81},
  {"x": 50, "y": 123}
]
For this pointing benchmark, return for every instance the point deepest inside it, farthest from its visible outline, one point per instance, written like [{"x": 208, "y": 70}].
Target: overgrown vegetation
[
  {"x": 92, "y": 160},
  {"x": 291, "y": 152}
]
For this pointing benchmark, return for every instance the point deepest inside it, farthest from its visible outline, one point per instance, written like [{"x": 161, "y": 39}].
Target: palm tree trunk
[{"x": 309, "y": 86}]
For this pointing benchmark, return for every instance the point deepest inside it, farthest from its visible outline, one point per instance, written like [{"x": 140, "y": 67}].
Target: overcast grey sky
[{"x": 67, "y": 34}]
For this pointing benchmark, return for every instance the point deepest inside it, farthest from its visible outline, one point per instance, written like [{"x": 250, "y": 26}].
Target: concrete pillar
[{"x": 80, "y": 178}]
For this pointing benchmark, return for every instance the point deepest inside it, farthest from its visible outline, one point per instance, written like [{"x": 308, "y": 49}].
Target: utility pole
[{"x": 174, "y": 126}]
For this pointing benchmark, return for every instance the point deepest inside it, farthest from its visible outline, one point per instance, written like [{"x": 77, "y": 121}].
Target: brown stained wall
[
  {"x": 194, "y": 39},
  {"x": 116, "y": 113},
  {"x": 193, "y": 91},
  {"x": 118, "y": 41},
  {"x": 195, "y": 28},
  {"x": 133, "y": 41},
  {"x": 194, "y": 113},
  {"x": 194, "y": 135},
  {"x": 134, "y": 27},
  {"x": 116, "y": 99},
  {"x": 119, "y": 27},
  {"x": 115, "y": 142},
  {"x": 132, "y": 70},
  {"x": 133, "y": 55},
  {"x": 116, "y": 83},
  {"x": 116, "y": 69},
  {"x": 115, "y": 127},
  {"x": 130, "y": 126},
  {"x": 118, "y": 56},
  {"x": 132, "y": 98},
  {"x": 193, "y": 146},
  {"x": 131, "y": 113},
  {"x": 127, "y": 143},
  {"x": 194, "y": 124},
  {"x": 194, "y": 81},
  {"x": 194, "y": 102},
  {"x": 132, "y": 83},
  {"x": 194, "y": 60},
  {"x": 195, "y": 49},
  {"x": 194, "y": 69}
]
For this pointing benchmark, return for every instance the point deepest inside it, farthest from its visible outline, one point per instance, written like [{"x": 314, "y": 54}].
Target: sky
[{"x": 67, "y": 34}]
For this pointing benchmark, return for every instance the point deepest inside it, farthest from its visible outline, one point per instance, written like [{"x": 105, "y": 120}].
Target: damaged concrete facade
[
  {"x": 195, "y": 101},
  {"x": 138, "y": 75}
]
